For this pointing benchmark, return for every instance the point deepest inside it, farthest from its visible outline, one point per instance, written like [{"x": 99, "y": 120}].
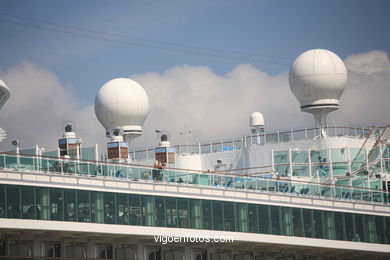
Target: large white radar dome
[
  {"x": 318, "y": 78},
  {"x": 256, "y": 119},
  {"x": 4, "y": 93},
  {"x": 122, "y": 102}
]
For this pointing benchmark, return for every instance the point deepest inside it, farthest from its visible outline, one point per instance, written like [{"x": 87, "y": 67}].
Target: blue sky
[
  {"x": 54, "y": 66},
  {"x": 274, "y": 28}
]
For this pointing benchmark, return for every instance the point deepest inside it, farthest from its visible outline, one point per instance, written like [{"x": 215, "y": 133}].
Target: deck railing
[{"x": 357, "y": 188}]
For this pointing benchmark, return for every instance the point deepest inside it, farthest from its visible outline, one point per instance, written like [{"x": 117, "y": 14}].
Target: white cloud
[{"x": 190, "y": 98}]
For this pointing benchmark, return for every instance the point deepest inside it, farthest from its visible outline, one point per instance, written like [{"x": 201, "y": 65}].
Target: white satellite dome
[
  {"x": 123, "y": 103},
  {"x": 318, "y": 78},
  {"x": 256, "y": 119},
  {"x": 4, "y": 93}
]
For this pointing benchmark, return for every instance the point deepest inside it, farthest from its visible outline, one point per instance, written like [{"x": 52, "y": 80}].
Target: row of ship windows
[{"x": 28, "y": 202}]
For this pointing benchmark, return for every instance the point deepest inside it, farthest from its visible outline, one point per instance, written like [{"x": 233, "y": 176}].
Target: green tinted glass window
[
  {"x": 56, "y": 204},
  {"x": 318, "y": 224},
  {"x": 195, "y": 213},
  {"x": 217, "y": 215},
  {"x": 135, "y": 209},
  {"x": 275, "y": 220},
  {"x": 97, "y": 207},
  {"x": 308, "y": 222},
  {"x": 228, "y": 213},
  {"x": 2, "y": 200},
  {"x": 183, "y": 212},
  {"x": 70, "y": 205},
  {"x": 13, "y": 201},
  {"x": 160, "y": 211},
  {"x": 122, "y": 209},
  {"x": 297, "y": 222},
  {"x": 148, "y": 210},
  {"x": 207, "y": 214},
  {"x": 349, "y": 226},
  {"x": 109, "y": 208},
  {"x": 171, "y": 212},
  {"x": 253, "y": 225},
  {"x": 83, "y": 206},
  {"x": 264, "y": 219},
  {"x": 28, "y": 202}
]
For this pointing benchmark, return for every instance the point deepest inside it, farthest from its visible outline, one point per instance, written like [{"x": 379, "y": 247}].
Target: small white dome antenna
[
  {"x": 256, "y": 122},
  {"x": 123, "y": 103},
  {"x": 317, "y": 79}
]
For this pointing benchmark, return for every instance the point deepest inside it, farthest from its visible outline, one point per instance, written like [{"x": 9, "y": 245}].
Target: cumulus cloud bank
[{"x": 188, "y": 98}]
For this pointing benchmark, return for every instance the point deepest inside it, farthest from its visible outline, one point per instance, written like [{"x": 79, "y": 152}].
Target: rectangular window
[
  {"x": 109, "y": 208},
  {"x": 182, "y": 205},
  {"x": 2, "y": 201},
  {"x": 122, "y": 209},
  {"x": 70, "y": 205},
  {"x": 242, "y": 216},
  {"x": 52, "y": 249},
  {"x": 160, "y": 211},
  {"x": 264, "y": 219},
  {"x": 195, "y": 213},
  {"x": 207, "y": 214},
  {"x": 253, "y": 219},
  {"x": 148, "y": 211},
  {"x": 135, "y": 209},
  {"x": 171, "y": 212},
  {"x": 380, "y": 230},
  {"x": 318, "y": 224},
  {"x": 349, "y": 226},
  {"x": 43, "y": 203},
  {"x": 228, "y": 213},
  {"x": 56, "y": 204},
  {"x": 370, "y": 228},
  {"x": 339, "y": 225},
  {"x": 297, "y": 222},
  {"x": 329, "y": 224},
  {"x": 308, "y": 222},
  {"x": 13, "y": 201},
  {"x": 97, "y": 207},
  {"x": 359, "y": 233},
  {"x": 387, "y": 219},
  {"x": 286, "y": 217},
  {"x": 83, "y": 206},
  {"x": 217, "y": 215},
  {"x": 28, "y": 202},
  {"x": 275, "y": 220}
]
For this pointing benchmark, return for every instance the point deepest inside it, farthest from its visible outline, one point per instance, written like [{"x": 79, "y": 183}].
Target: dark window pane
[
  {"x": 195, "y": 213},
  {"x": 359, "y": 234},
  {"x": 297, "y": 222},
  {"x": 2, "y": 200},
  {"x": 379, "y": 226},
  {"x": 122, "y": 206},
  {"x": 217, "y": 215},
  {"x": 286, "y": 217},
  {"x": 13, "y": 201},
  {"x": 207, "y": 214},
  {"x": 339, "y": 223},
  {"x": 28, "y": 202},
  {"x": 135, "y": 209},
  {"x": 387, "y": 219},
  {"x": 109, "y": 208},
  {"x": 228, "y": 213},
  {"x": 318, "y": 224},
  {"x": 264, "y": 219},
  {"x": 182, "y": 206},
  {"x": 308, "y": 222},
  {"x": 148, "y": 210},
  {"x": 253, "y": 218},
  {"x": 275, "y": 220},
  {"x": 370, "y": 228},
  {"x": 242, "y": 216},
  {"x": 56, "y": 204},
  {"x": 70, "y": 205},
  {"x": 329, "y": 226},
  {"x": 171, "y": 212},
  {"x": 43, "y": 203},
  {"x": 349, "y": 226},
  {"x": 97, "y": 207},
  {"x": 83, "y": 206},
  {"x": 160, "y": 211}
]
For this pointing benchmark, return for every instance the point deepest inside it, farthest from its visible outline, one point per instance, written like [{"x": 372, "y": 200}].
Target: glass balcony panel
[
  {"x": 339, "y": 155},
  {"x": 299, "y": 156},
  {"x": 302, "y": 170},
  {"x": 339, "y": 169}
]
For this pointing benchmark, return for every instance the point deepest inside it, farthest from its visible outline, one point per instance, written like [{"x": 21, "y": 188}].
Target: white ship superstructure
[{"x": 309, "y": 193}]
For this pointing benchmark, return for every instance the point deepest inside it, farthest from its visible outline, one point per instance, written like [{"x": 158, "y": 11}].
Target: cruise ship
[{"x": 308, "y": 193}]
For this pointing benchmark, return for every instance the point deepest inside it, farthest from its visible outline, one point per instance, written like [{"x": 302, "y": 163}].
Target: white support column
[
  {"x": 330, "y": 163},
  {"x": 290, "y": 162},
  {"x": 273, "y": 160}
]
